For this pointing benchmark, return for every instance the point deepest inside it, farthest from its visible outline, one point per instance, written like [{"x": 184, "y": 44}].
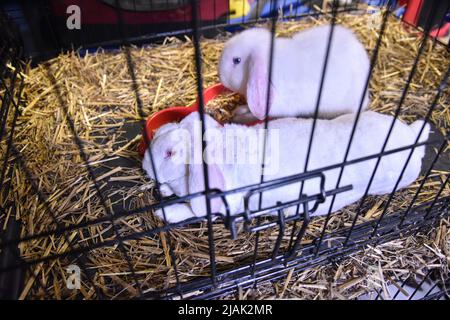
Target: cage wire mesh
[{"x": 75, "y": 199}]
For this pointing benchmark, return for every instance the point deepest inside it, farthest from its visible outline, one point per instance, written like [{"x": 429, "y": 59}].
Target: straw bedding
[
  {"x": 95, "y": 98},
  {"x": 367, "y": 271}
]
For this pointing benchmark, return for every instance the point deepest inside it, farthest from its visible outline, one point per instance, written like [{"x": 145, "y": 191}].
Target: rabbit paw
[{"x": 175, "y": 213}]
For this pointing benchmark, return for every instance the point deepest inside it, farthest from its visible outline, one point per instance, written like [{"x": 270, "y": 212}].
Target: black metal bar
[
  {"x": 266, "y": 121},
  {"x": 45, "y": 203},
  {"x": 352, "y": 134},
  {"x": 198, "y": 283},
  {"x": 437, "y": 195},
  {"x": 188, "y": 31},
  {"x": 282, "y": 228},
  {"x": 10, "y": 92},
  {"x": 422, "y": 183},
  {"x": 421, "y": 284},
  {"x": 255, "y": 253},
  {"x": 305, "y": 199},
  {"x": 301, "y": 233},
  {"x": 431, "y": 290},
  {"x": 248, "y": 212},
  {"x": 198, "y": 63},
  {"x": 269, "y": 272},
  {"x": 11, "y": 281},
  {"x": 171, "y": 201},
  {"x": 441, "y": 23},
  {"x": 9, "y": 144},
  {"x": 91, "y": 174},
  {"x": 407, "y": 230},
  {"x": 445, "y": 293},
  {"x": 273, "y": 21},
  {"x": 6, "y": 102},
  {"x": 381, "y": 290},
  {"x": 396, "y": 114},
  {"x": 10, "y": 139},
  {"x": 401, "y": 286},
  {"x": 258, "y": 268},
  {"x": 140, "y": 108},
  {"x": 427, "y": 117},
  {"x": 319, "y": 94}
]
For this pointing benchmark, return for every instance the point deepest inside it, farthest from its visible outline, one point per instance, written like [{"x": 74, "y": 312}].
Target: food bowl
[{"x": 176, "y": 114}]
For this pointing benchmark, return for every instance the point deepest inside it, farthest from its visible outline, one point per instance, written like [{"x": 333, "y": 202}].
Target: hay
[
  {"x": 368, "y": 271},
  {"x": 97, "y": 93}
]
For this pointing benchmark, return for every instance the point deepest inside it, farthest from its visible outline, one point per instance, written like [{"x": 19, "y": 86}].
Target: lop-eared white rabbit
[
  {"x": 287, "y": 144},
  {"x": 296, "y": 72}
]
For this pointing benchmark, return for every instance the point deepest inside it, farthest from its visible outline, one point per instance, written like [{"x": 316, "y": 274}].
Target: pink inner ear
[
  {"x": 196, "y": 184},
  {"x": 257, "y": 88}
]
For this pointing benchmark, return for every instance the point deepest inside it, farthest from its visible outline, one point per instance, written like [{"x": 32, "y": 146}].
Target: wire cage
[{"x": 77, "y": 211}]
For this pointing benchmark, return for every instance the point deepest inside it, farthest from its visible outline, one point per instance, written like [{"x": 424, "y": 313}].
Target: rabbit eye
[
  {"x": 236, "y": 60},
  {"x": 169, "y": 153}
]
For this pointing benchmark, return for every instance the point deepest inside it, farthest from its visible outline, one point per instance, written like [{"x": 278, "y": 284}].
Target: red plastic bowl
[{"x": 176, "y": 114}]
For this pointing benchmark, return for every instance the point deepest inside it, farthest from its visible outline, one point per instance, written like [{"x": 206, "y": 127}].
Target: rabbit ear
[
  {"x": 192, "y": 122},
  {"x": 257, "y": 84},
  {"x": 196, "y": 184},
  {"x": 164, "y": 129}
]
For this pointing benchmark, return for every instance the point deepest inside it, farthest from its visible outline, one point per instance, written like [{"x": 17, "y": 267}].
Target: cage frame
[{"x": 386, "y": 228}]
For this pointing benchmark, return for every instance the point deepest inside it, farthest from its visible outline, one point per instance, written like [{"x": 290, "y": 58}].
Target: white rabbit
[
  {"x": 296, "y": 72},
  {"x": 287, "y": 144}
]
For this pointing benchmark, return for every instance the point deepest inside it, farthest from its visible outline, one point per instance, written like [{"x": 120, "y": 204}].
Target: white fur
[
  {"x": 329, "y": 145},
  {"x": 296, "y": 72}
]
